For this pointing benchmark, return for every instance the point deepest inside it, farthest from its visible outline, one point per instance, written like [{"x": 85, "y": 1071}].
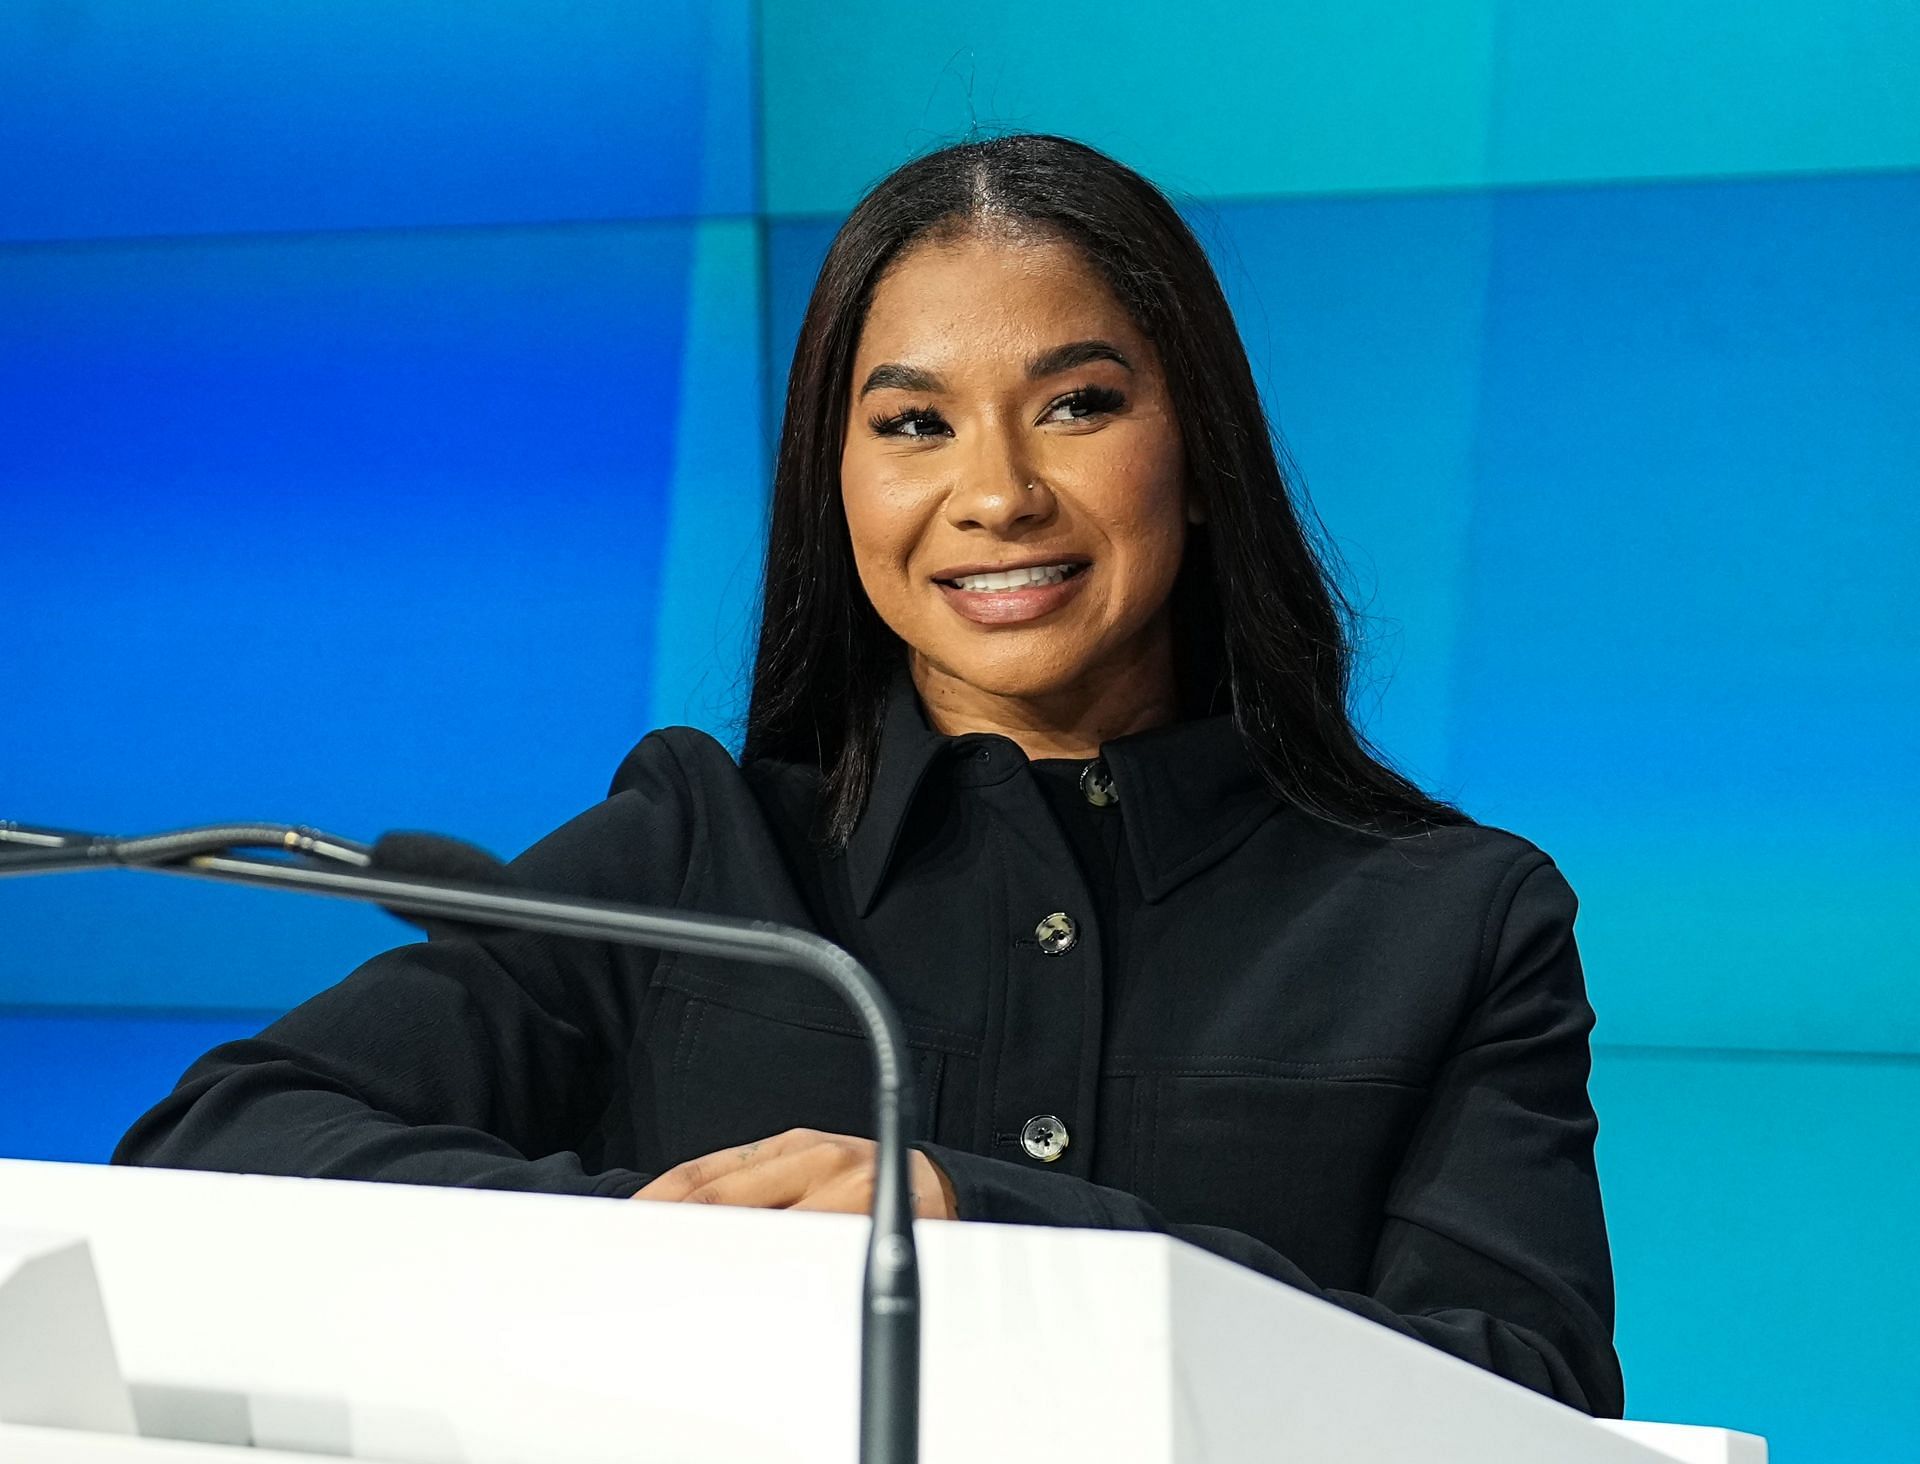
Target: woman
[{"x": 1049, "y": 728}]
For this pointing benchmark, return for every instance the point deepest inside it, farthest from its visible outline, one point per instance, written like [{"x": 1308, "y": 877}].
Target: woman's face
[{"x": 1007, "y": 415}]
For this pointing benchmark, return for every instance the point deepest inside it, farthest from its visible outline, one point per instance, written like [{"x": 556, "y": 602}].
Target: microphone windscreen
[{"x": 435, "y": 856}]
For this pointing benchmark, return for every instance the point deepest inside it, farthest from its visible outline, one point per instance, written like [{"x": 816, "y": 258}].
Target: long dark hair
[{"x": 1260, "y": 624}]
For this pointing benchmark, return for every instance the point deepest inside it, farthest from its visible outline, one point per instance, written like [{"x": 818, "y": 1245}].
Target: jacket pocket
[
  {"x": 734, "y": 1076},
  {"x": 1300, "y": 1163}
]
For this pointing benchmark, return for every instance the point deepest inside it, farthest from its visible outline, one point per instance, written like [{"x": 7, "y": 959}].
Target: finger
[
  {"x": 931, "y": 1191},
  {"x": 848, "y": 1193},
  {"x": 686, "y": 1177},
  {"x": 852, "y": 1192},
  {"x": 676, "y": 1183},
  {"x": 779, "y": 1182}
]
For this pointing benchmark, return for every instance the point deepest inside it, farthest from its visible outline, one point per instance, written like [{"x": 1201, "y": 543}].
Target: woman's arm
[
  {"x": 1492, "y": 1245},
  {"x": 465, "y": 1061}
]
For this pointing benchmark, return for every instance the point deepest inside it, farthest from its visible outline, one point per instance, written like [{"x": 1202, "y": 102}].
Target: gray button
[
  {"x": 1096, "y": 784},
  {"x": 1044, "y": 1137},
  {"x": 1056, "y": 933}
]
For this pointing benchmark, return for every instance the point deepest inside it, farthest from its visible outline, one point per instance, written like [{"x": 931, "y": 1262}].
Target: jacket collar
[{"x": 1189, "y": 793}]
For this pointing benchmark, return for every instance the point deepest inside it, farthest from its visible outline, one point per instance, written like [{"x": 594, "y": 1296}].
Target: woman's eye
[
  {"x": 913, "y": 423},
  {"x": 1088, "y": 401}
]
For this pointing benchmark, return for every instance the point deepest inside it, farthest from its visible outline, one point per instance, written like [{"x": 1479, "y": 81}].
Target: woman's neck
[{"x": 1066, "y": 721}]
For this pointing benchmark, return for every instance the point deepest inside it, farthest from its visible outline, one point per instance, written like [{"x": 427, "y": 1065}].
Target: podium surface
[{"x": 406, "y": 1323}]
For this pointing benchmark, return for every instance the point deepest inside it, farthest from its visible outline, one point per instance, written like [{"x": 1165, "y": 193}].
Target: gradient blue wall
[{"x": 382, "y": 436}]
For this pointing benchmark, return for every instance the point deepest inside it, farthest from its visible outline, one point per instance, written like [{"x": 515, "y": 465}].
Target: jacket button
[
  {"x": 1056, "y": 934},
  {"x": 1044, "y": 1138},
  {"x": 1096, "y": 784}
]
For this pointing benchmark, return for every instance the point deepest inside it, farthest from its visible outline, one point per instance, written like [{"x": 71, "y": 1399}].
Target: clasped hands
[{"x": 801, "y": 1169}]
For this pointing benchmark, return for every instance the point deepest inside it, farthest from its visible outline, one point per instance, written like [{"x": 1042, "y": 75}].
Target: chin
[{"x": 1019, "y": 672}]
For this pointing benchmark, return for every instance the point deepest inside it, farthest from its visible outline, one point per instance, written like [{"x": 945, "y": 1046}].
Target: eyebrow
[
  {"x": 1074, "y": 353},
  {"x": 1051, "y": 362},
  {"x": 891, "y": 374}
]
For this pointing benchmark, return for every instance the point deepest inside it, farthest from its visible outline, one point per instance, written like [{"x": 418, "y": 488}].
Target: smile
[
  {"x": 1013, "y": 595},
  {"x": 1014, "y": 579}
]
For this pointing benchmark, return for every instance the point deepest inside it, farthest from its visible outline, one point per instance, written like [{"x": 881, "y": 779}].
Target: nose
[{"x": 998, "y": 490}]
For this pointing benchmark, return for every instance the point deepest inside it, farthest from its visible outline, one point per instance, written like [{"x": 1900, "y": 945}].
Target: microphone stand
[{"x": 890, "y": 1325}]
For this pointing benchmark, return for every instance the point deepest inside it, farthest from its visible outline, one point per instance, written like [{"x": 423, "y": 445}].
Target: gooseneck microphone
[{"x": 442, "y": 884}]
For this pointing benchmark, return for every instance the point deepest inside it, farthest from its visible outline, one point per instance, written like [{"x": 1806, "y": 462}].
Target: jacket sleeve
[
  {"x": 1492, "y": 1246},
  {"x": 472, "y": 1060}
]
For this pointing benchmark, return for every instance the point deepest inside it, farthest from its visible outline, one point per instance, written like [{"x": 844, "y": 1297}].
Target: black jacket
[{"x": 1352, "y": 1062}]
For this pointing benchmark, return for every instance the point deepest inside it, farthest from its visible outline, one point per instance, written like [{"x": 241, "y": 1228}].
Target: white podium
[{"x": 257, "y": 1318}]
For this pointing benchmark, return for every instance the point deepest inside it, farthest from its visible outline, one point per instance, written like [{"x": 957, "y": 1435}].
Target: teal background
[{"x": 383, "y": 438}]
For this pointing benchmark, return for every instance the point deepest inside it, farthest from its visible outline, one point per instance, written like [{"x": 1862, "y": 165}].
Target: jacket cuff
[
  {"x": 1009, "y": 1193},
  {"x": 620, "y": 1184}
]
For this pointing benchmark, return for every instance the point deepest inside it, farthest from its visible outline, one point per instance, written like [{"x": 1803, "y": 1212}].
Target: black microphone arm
[{"x": 890, "y": 1325}]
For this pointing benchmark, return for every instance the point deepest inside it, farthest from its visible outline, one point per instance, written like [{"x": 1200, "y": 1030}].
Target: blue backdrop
[{"x": 383, "y": 430}]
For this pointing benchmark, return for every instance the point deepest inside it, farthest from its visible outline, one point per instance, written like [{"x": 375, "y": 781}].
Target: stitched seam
[
  {"x": 682, "y": 1064},
  {"x": 1137, "y": 1135},
  {"x": 717, "y": 993},
  {"x": 1381, "y": 1061},
  {"x": 930, "y": 1091},
  {"x": 693, "y": 1043},
  {"x": 683, "y": 1045},
  {"x": 997, "y": 862},
  {"x": 1086, "y": 1062},
  {"x": 1153, "y": 1135},
  {"x": 1355, "y": 1080},
  {"x": 1389, "y": 1069}
]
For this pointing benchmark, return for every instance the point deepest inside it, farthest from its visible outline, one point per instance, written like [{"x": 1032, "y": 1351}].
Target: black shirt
[{"x": 1353, "y": 1062}]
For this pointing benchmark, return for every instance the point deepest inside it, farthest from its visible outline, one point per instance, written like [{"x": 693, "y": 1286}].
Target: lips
[
  {"x": 963, "y": 571},
  {"x": 1012, "y": 607}
]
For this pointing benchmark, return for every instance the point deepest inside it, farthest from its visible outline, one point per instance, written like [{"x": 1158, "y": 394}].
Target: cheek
[
  {"x": 1152, "y": 565},
  {"x": 883, "y": 516},
  {"x": 1138, "y": 491}
]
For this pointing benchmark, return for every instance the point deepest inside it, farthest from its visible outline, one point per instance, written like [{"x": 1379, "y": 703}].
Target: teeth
[{"x": 1015, "y": 579}]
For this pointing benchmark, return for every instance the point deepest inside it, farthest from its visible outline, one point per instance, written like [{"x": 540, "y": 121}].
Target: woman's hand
[{"x": 801, "y": 1169}]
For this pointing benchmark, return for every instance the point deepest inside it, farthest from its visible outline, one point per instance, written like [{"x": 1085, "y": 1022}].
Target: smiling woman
[
  {"x": 1049, "y": 727},
  {"x": 1014, "y": 491},
  {"x": 1017, "y": 354}
]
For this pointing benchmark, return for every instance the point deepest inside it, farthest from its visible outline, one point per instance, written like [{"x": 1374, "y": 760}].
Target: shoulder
[
  {"x": 676, "y": 794},
  {"x": 637, "y": 842},
  {"x": 1465, "y": 912},
  {"x": 693, "y": 768},
  {"x": 1415, "y": 852},
  {"x": 674, "y": 760},
  {"x": 1444, "y": 872}
]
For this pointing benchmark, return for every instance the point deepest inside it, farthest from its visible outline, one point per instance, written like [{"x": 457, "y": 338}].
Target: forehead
[{"x": 947, "y": 302}]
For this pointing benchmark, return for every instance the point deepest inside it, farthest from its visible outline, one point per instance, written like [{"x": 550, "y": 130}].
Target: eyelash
[{"x": 1094, "y": 400}]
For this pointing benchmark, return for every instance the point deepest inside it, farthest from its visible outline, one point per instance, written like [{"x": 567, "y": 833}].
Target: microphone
[
  {"x": 445, "y": 884},
  {"x": 46, "y": 850},
  {"x": 437, "y": 857}
]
